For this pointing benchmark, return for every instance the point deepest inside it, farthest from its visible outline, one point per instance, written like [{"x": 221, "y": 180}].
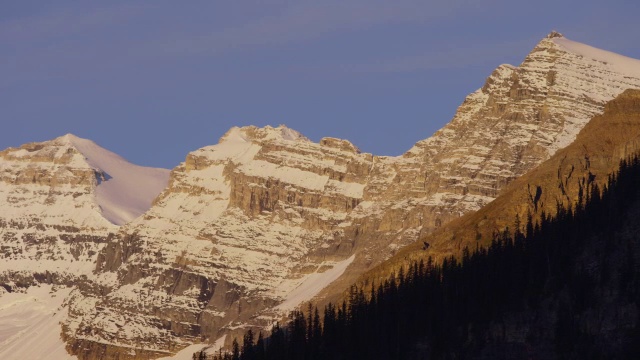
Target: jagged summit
[
  {"x": 556, "y": 42},
  {"x": 554, "y": 34},
  {"x": 523, "y": 115},
  {"x": 249, "y": 133}
]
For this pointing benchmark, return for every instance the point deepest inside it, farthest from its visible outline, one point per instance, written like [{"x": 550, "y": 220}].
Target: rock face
[
  {"x": 237, "y": 229},
  {"x": 519, "y": 118},
  {"x": 568, "y": 176},
  {"x": 54, "y": 216},
  {"x": 51, "y": 227},
  {"x": 251, "y": 227}
]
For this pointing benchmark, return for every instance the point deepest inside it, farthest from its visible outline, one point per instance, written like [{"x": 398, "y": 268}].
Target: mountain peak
[
  {"x": 68, "y": 137},
  {"x": 249, "y": 133},
  {"x": 554, "y": 34},
  {"x": 123, "y": 191},
  {"x": 71, "y": 140},
  {"x": 615, "y": 62}
]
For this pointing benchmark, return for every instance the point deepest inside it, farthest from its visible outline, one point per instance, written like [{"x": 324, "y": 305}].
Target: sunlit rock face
[{"x": 61, "y": 202}]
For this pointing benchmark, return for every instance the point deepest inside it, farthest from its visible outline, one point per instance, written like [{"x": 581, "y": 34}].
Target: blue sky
[{"x": 153, "y": 80}]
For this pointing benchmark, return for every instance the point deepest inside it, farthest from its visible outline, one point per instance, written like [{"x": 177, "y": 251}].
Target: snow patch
[
  {"x": 30, "y": 324},
  {"x": 619, "y": 63},
  {"x": 311, "y": 284},
  {"x": 125, "y": 191},
  {"x": 187, "y": 353}
]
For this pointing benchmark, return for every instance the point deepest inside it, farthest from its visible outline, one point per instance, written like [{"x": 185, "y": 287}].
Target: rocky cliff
[
  {"x": 566, "y": 179},
  {"x": 239, "y": 227},
  {"x": 50, "y": 224},
  {"x": 57, "y": 212},
  {"x": 252, "y": 227},
  {"x": 518, "y": 119}
]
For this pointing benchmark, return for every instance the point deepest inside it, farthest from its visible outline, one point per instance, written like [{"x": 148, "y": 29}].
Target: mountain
[
  {"x": 560, "y": 284},
  {"x": 566, "y": 287},
  {"x": 252, "y": 227},
  {"x": 239, "y": 227},
  {"x": 563, "y": 180},
  {"x": 60, "y": 199},
  {"x": 518, "y": 119}
]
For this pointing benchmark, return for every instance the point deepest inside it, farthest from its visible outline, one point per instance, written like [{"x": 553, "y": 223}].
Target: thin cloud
[
  {"x": 309, "y": 20},
  {"x": 64, "y": 22},
  {"x": 64, "y": 41}
]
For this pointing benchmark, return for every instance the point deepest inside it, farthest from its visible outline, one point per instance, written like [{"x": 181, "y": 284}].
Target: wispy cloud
[
  {"x": 84, "y": 40},
  {"x": 307, "y": 20},
  {"x": 63, "y": 41},
  {"x": 64, "y": 22}
]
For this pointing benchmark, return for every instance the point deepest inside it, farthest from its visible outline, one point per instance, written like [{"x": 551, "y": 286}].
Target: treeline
[{"x": 551, "y": 288}]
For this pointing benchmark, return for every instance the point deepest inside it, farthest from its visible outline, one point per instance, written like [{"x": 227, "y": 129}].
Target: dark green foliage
[
  {"x": 235, "y": 350},
  {"x": 547, "y": 280}
]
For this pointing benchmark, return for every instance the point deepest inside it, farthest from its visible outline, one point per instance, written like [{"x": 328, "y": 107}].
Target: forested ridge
[{"x": 565, "y": 287}]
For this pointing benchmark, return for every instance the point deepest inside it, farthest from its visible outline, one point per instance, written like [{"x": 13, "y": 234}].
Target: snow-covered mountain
[
  {"x": 60, "y": 199},
  {"x": 241, "y": 226},
  {"x": 266, "y": 219}
]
